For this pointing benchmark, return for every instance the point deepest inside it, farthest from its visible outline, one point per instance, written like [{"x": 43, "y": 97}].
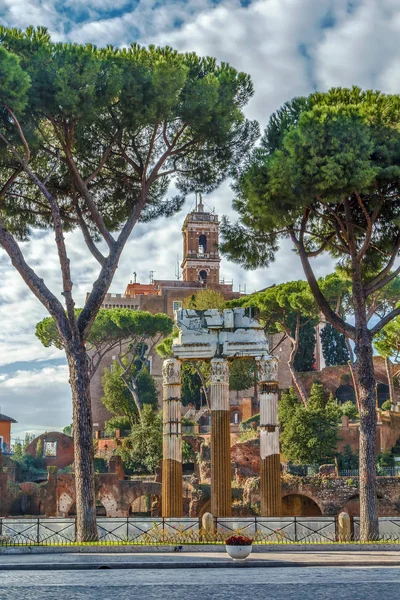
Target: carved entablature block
[
  {"x": 267, "y": 367},
  {"x": 219, "y": 372},
  {"x": 171, "y": 371}
]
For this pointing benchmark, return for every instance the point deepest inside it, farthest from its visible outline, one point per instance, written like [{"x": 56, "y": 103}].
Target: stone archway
[
  {"x": 299, "y": 505},
  {"x": 147, "y": 505},
  {"x": 345, "y": 393},
  {"x": 383, "y": 394},
  {"x": 65, "y": 503},
  {"x": 132, "y": 491}
]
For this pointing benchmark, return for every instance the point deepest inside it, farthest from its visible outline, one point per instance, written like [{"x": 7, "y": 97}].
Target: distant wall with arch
[{"x": 339, "y": 378}]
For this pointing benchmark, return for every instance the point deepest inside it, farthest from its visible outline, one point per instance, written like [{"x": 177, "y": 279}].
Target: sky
[{"x": 289, "y": 47}]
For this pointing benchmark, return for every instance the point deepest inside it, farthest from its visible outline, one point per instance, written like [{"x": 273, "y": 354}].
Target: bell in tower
[{"x": 201, "y": 260}]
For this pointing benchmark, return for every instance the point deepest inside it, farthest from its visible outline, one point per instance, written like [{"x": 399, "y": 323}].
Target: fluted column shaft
[
  {"x": 221, "y": 478},
  {"x": 172, "y": 491},
  {"x": 270, "y": 468}
]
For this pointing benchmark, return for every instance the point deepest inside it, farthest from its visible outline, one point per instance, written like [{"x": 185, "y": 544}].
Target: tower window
[
  {"x": 202, "y": 244},
  {"x": 203, "y": 276}
]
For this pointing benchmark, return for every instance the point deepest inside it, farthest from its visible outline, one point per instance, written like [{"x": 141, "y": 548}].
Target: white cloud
[{"x": 40, "y": 400}]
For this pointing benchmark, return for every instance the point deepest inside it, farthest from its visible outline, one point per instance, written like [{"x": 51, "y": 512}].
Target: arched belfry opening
[
  {"x": 202, "y": 244},
  {"x": 203, "y": 277}
]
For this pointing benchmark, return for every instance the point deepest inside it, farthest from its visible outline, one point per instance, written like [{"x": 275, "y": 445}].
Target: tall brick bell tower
[{"x": 201, "y": 258}]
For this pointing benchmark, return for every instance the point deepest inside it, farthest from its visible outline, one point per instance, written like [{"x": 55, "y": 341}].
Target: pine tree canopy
[
  {"x": 327, "y": 164},
  {"x": 334, "y": 347}
]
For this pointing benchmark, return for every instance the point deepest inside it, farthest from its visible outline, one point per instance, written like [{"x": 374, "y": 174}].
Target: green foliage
[
  {"x": 188, "y": 454},
  {"x": 280, "y": 305},
  {"x": 305, "y": 356},
  {"x": 121, "y": 422},
  {"x": 141, "y": 452},
  {"x": 334, "y": 347},
  {"x": 349, "y": 409},
  {"x": 118, "y": 399},
  {"x": 205, "y": 299},
  {"x": 100, "y": 465},
  {"x": 348, "y": 460},
  {"x": 290, "y": 309},
  {"x": 287, "y": 407},
  {"x": 385, "y": 459},
  {"x": 18, "y": 453},
  {"x": 68, "y": 430},
  {"x": 387, "y": 405},
  {"x": 39, "y": 448},
  {"x": 387, "y": 342},
  {"x": 195, "y": 102},
  {"x": 29, "y": 467},
  {"x": 191, "y": 385},
  {"x": 111, "y": 327},
  {"x": 15, "y": 82},
  {"x": 164, "y": 348},
  {"x": 250, "y": 422},
  {"x": 242, "y": 374},
  {"x": 248, "y": 434},
  {"x": 29, "y": 437},
  {"x": 309, "y": 174},
  {"x": 309, "y": 434}
]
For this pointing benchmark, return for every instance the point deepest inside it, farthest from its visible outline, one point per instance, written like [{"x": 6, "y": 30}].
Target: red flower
[{"x": 238, "y": 540}]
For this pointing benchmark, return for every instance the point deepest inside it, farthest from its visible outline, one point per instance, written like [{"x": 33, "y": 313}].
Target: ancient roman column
[
  {"x": 270, "y": 468},
  {"x": 172, "y": 491},
  {"x": 221, "y": 478}
]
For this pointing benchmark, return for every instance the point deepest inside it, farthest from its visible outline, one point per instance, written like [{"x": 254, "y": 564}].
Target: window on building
[
  {"x": 176, "y": 305},
  {"x": 50, "y": 449},
  {"x": 202, "y": 244},
  {"x": 149, "y": 364},
  {"x": 235, "y": 417}
]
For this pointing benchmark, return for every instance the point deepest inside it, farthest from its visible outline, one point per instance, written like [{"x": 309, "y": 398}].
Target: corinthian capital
[
  {"x": 171, "y": 371},
  {"x": 267, "y": 369},
  {"x": 219, "y": 371}
]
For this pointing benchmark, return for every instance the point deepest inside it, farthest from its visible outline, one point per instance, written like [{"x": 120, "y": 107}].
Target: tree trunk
[
  {"x": 86, "y": 528},
  {"x": 388, "y": 367},
  {"x": 298, "y": 384},
  {"x": 355, "y": 383},
  {"x": 369, "y": 529},
  {"x": 295, "y": 346}
]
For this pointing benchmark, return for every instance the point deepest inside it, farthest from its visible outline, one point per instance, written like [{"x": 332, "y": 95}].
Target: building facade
[{"x": 200, "y": 270}]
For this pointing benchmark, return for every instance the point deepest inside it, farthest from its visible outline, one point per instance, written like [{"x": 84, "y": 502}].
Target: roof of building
[{"x": 5, "y": 418}]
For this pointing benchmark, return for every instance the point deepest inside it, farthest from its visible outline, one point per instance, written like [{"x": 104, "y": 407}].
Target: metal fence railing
[
  {"x": 170, "y": 531},
  {"x": 300, "y": 470},
  {"x": 380, "y": 471}
]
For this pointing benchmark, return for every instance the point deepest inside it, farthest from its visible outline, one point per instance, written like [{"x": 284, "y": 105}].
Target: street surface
[{"x": 325, "y": 583}]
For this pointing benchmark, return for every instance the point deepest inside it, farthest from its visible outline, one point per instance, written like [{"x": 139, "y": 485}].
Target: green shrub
[
  {"x": 387, "y": 405},
  {"x": 250, "y": 422},
  {"x": 349, "y": 409}
]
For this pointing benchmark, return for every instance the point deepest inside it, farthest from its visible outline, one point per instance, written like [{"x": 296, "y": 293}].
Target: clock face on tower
[{"x": 201, "y": 260}]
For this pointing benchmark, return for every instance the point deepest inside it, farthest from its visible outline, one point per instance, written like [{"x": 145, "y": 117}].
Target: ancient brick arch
[
  {"x": 129, "y": 491},
  {"x": 302, "y": 505},
  {"x": 115, "y": 495}
]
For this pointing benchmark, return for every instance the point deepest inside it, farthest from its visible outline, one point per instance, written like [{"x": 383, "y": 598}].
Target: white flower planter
[{"x": 239, "y": 552}]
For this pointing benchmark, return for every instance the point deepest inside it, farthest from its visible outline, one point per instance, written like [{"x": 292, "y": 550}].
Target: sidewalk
[{"x": 196, "y": 560}]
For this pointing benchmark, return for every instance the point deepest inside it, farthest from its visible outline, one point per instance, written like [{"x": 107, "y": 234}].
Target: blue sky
[{"x": 290, "y": 47}]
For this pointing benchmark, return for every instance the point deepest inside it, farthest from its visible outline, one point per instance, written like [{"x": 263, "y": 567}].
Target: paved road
[
  {"x": 336, "y": 558},
  {"x": 202, "y": 584}
]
